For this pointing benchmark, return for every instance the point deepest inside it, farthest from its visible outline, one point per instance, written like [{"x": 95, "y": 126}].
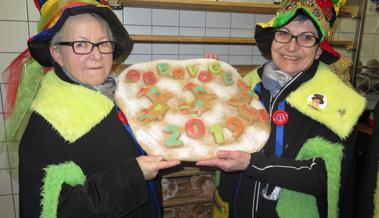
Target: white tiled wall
[
  {"x": 18, "y": 19},
  {"x": 152, "y": 21},
  {"x": 370, "y": 40}
]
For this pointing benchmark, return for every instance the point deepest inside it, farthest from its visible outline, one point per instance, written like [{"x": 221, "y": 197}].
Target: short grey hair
[{"x": 58, "y": 35}]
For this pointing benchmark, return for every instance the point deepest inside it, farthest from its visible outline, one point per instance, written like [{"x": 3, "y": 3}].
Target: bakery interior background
[{"x": 18, "y": 20}]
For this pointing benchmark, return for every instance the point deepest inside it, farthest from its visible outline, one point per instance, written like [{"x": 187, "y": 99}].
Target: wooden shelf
[
  {"x": 189, "y": 171},
  {"x": 212, "y": 40},
  {"x": 214, "y": 5},
  {"x": 348, "y": 45},
  {"x": 186, "y": 201},
  {"x": 204, "y": 5}
]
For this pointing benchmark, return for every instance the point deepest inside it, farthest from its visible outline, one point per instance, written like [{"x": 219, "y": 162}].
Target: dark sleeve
[
  {"x": 348, "y": 176},
  {"x": 307, "y": 176},
  {"x": 96, "y": 198},
  {"x": 369, "y": 173}
]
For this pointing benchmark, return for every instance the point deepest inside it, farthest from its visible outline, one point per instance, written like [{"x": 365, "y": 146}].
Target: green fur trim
[
  {"x": 55, "y": 176},
  {"x": 72, "y": 110},
  {"x": 294, "y": 204},
  {"x": 252, "y": 78},
  {"x": 343, "y": 104},
  {"x": 31, "y": 76}
]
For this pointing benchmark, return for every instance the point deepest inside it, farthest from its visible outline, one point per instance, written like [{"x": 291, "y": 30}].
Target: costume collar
[
  {"x": 342, "y": 109},
  {"x": 341, "y": 105},
  {"x": 73, "y": 110},
  {"x": 108, "y": 88},
  {"x": 295, "y": 82}
]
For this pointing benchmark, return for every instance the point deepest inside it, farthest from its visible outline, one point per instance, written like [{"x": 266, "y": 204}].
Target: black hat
[{"x": 53, "y": 15}]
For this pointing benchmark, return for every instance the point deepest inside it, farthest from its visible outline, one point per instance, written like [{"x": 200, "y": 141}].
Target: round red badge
[{"x": 280, "y": 117}]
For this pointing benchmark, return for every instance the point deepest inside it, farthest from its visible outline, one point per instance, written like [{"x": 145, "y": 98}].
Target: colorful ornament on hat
[
  {"x": 338, "y": 4},
  {"x": 327, "y": 8},
  {"x": 325, "y": 3}
]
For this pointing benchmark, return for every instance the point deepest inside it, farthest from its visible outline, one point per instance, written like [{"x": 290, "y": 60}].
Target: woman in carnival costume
[
  {"x": 305, "y": 169},
  {"x": 77, "y": 157}
]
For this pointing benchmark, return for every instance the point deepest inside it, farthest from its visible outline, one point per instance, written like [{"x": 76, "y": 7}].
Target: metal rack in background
[{"x": 358, "y": 41}]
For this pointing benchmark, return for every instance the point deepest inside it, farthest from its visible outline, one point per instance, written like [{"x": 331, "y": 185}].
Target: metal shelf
[{"x": 217, "y": 5}]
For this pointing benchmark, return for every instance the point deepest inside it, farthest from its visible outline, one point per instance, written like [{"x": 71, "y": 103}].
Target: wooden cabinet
[{"x": 188, "y": 193}]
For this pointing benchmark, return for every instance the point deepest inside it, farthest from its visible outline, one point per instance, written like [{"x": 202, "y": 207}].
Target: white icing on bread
[{"x": 181, "y": 106}]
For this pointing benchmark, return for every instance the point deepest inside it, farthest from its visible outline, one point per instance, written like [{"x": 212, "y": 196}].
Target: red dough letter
[
  {"x": 133, "y": 76},
  {"x": 149, "y": 78},
  {"x": 205, "y": 76},
  {"x": 195, "y": 128}
]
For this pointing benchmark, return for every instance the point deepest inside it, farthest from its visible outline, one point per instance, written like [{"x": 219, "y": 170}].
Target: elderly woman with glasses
[
  {"x": 77, "y": 156},
  {"x": 305, "y": 168}
]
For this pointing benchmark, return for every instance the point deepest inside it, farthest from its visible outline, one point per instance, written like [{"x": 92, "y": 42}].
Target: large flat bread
[{"x": 189, "y": 109}]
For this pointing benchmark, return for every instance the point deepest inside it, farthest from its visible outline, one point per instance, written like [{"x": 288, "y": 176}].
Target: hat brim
[
  {"x": 263, "y": 38},
  {"x": 39, "y": 45}
]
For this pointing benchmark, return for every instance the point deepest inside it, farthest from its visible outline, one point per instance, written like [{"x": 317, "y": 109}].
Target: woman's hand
[
  {"x": 228, "y": 161},
  {"x": 150, "y": 165}
]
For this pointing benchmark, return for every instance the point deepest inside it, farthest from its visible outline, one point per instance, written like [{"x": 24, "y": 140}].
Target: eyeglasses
[
  {"x": 86, "y": 47},
  {"x": 305, "y": 40}
]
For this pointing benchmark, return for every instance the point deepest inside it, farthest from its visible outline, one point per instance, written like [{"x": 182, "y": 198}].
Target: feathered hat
[
  {"x": 323, "y": 14},
  {"x": 25, "y": 72},
  {"x": 55, "y": 12}
]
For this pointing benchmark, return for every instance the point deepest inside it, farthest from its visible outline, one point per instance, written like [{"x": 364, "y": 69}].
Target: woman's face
[
  {"x": 93, "y": 68},
  {"x": 291, "y": 57}
]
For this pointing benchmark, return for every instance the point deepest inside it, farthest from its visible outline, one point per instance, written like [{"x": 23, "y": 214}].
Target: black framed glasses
[
  {"x": 86, "y": 47},
  {"x": 306, "y": 40}
]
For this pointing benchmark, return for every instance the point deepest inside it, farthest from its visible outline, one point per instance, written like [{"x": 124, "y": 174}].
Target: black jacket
[
  {"x": 246, "y": 199},
  {"x": 114, "y": 187},
  {"x": 369, "y": 174}
]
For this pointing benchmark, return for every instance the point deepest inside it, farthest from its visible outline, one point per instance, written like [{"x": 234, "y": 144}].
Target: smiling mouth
[{"x": 290, "y": 58}]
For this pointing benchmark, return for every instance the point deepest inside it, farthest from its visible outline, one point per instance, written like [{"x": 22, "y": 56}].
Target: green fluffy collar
[
  {"x": 72, "y": 110},
  {"x": 342, "y": 104}
]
